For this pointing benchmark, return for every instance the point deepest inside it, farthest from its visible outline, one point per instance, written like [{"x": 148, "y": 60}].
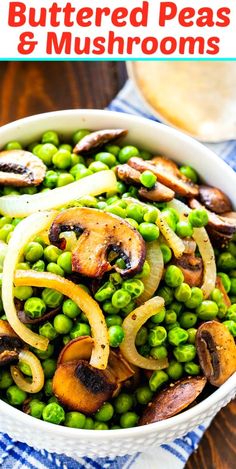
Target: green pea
[
  {"x": 144, "y": 395},
  {"x": 173, "y": 276},
  {"x": 106, "y": 158},
  {"x": 5, "y": 379},
  {"x": 166, "y": 253},
  {"x": 51, "y": 137},
  {"x": 171, "y": 317},
  {"x": 28, "y": 190},
  {"x": 112, "y": 200},
  {"x": 232, "y": 248},
  {"x": 123, "y": 403},
  {"x": 149, "y": 231},
  {"x": 116, "y": 335},
  {"x": 105, "y": 292},
  {"x": 114, "y": 320},
  {"x": 171, "y": 217},
  {"x": 109, "y": 308},
  {"x": 5, "y": 231},
  {"x": 36, "y": 408},
  {"x": 76, "y": 169},
  {"x": 225, "y": 280},
  {"x": 184, "y": 229},
  {"x": 191, "y": 335},
  {"x": 46, "y": 152},
  {"x": 75, "y": 420},
  {"x": 231, "y": 326},
  {"x": 136, "y": 212},
  {"x": 14, "y": 145},
  {"x": 101, "y": 205},
  {"x": 64, "y": 179},
  {"x": 145, "y": 272},
  {"x": 116, "y": 210},
  {"x": 183, "y": 292},
  {"x": 111, "y": 148},
  {"x": 65, "y": 262},
  {"x": 198, "y": 218},
  {"x": 127, "y": 309},
  {"x": 8, "y": 190},
  {"x": 189, "y": 173},
  {"x": 226, "y": 262},
  {"x": 167, "y": 294},
  {"x": 148, "y": 179},
  {"x": 23, "y": 293},
  {"x": 120, "y": 298},
  {"x": 177, "y": 307},
  {"x": 169, "y": 327},
  {"x": 34, "y": 307},
  {"x": 192, "y": 369},
  {"x": 105, "y": 413},
  {"x": 121, "y": 187},
  {"x": 216, "y": 295},
  {"x": 231, "y": 313},
  {"x": 33, "y": 252},
  {"x": 75, "y": 159},
  {"x": 5, "y": 221},
  {"x": 89, "y": 424},
  {"x": 62, "y": 159},
  {"x": 15, "y": 395},
  {"x": 47, "y": 330},
  {"x": 175, "y": 370},
  {"x": 55, "y": 269},
  {"x": 39, "y": 266},
  {"x": 134, "y": 287},
  {"x": 151, "y": 215},
  {"x": 157, "y": 379},
  {"x": 49, "y": 367},
  {"x": 142, "y": 336},
  {"x": 43, "y": 355},
  {"x": 157, "y": 336},
  {"x": 233, "y": 286},
  {"x": 188, "y": 320},
  {"x": 70, "y": 309},
  {"x": 23, "y": 266},
  {"x": 159, "y": 352},
  {"x": 185, "y": 353},
  {"x": 132, "y": 222},
  {"x": 196, "y": 298},
  {"x": 129, "y": 420},
  {"x": 16, "y": 221},
  {"x": 177, "y": 336},
  {"x": 62, "y": 324},
  {"x": 144, "y": 350},
  {"x": 51, "y": 253},
  {"x": 207, "y": 311},
  {"x": 53, "y": 413},
  {"x": 126, "y": 153},
  {"x": 100, "y": 426},
  {"x": 51, "y": 297},
  {"x": 79, "y": 134},
  {"x": 80, "y": 329}
]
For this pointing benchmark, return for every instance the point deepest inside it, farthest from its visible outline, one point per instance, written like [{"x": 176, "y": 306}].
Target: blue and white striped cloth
[{"x": 14, "y": 454}]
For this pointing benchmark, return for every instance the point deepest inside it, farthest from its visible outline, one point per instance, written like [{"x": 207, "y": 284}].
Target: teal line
[{"x": 117, "y": 59}]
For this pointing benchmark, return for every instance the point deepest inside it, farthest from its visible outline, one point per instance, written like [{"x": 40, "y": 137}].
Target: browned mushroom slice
[
  {"x": 46, "y": 317},
  {"x": 101, "y": 232},
  {"x": 220, "y": 286},
  {"x": 95, "y": 140},
  {"x": 216, "y": 352},
  {"x": 79, "y": 386},
  {"x": 159, "y": 193},
  {"x": 128, "y": 174},
  {"x": 192, "y": 268},
  {"x": 167, "y": 173},
  {"x": 214, "y": 199},
  {"x": 172, "y": 400},
  {"x": 220, "y": 223},
  {"x": 219, "y": 240},
  {"x": 10, "y": 344},
  {"x": 21, "y": 168}
]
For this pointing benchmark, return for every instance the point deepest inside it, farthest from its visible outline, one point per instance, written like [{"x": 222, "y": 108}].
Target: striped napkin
[{"x": 14, "y": 454}]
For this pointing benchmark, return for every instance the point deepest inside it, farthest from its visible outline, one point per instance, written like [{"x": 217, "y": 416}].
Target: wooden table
[{"x": 32, "y": 87}]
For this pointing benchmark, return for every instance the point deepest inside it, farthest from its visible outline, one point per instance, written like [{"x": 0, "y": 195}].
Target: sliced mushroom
[
  {"x": 192, "y": 268},
  {"x": 95, "y": 140},
  {"x": 128, "y": 174},
  {"x": 46, "y": 317},
  {"x": 21, "y": 168},
  {"x": 10, "y": 344},
  {"x": 220, "y": 286},
  {"x": 173, "y": 400},
  {"x": 214, "y": 199},
  {"x": 216, "y": 352},
  {"x": 168, "y": 174},
  {"x": 79, "y": 386},
  {"x": 101, "y": 232},
  {"x": 219, "y": 240}
]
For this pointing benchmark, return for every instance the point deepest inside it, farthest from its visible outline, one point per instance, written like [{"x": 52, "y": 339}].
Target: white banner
[{"x": 117, "y": 29}]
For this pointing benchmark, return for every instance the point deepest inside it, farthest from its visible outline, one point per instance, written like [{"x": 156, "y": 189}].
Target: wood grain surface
[{"x": 33, "y": 87}]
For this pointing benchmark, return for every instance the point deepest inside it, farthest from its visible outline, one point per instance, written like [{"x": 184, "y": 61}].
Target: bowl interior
[{"x": 158, "y": 139}]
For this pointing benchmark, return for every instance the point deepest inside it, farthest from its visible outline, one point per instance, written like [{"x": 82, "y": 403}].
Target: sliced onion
[
  {"x": 24, "y": 205},
  {"x": 131, "y": 325},
  {"x": 175, "y": 243},
  {"x": 3, "y": 251},
  {"x": 155, "y": 260},
  {"x": 24, "y": 232},
  {"x": 205, "y": 248},
  {"x": 89, "y": 306},
  {"x": 37, "y": 380}
]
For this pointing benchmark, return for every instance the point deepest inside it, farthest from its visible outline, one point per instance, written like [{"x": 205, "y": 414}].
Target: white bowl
[{"x": 181, "y": 148}]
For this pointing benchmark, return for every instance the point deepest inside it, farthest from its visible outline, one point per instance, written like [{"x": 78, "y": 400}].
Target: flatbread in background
[{"x": 197, "y": 97}]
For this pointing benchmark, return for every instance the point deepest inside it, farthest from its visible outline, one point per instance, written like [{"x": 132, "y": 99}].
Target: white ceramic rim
[{"x": 164, "y": 425}]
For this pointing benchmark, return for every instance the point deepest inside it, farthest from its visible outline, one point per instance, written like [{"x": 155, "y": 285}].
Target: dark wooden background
[{"x": 32, "y": 87}]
